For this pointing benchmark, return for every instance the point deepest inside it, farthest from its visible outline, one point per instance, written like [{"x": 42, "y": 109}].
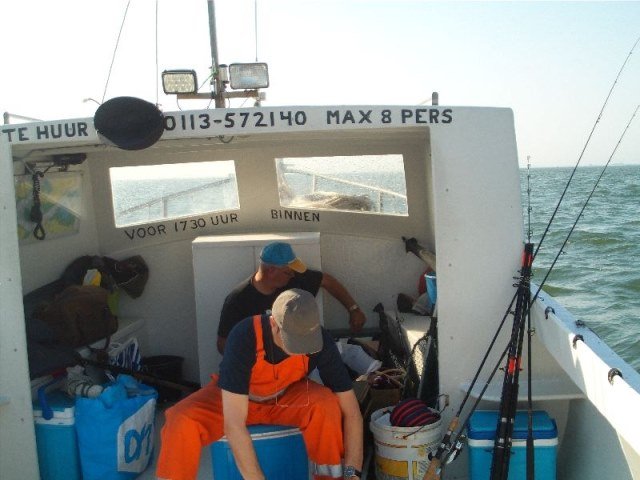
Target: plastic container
[
  {"x": 165, "y": 367},
  {"x": 482, "y": 431},
  {"x": 56, "y": 440},
  {"x": 402, "y": 452},
  {"x": 281, "y": 453},
  {"x": 431, "y": 287}
]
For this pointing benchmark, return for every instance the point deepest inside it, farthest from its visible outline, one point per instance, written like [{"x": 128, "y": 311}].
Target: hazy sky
[{"x": 553, "y": 63}]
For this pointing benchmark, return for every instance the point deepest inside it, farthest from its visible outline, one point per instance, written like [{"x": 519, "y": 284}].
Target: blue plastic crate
[
  {"x": 481, "y": 432},
  {"x": 281, "y": 453}
]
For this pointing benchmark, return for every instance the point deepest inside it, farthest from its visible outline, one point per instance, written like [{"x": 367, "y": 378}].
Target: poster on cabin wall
[{"x": 60, "y": 203}]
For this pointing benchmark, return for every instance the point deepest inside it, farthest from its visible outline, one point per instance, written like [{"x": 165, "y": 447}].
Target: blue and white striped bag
[{"x": 126, "y": 354}]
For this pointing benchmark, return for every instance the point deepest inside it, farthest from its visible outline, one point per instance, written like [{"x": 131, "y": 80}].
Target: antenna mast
[{"x": 217, "y": 81}]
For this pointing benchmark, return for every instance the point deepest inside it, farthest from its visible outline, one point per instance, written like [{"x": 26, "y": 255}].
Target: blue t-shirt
[{"x": 240, "y": 357}]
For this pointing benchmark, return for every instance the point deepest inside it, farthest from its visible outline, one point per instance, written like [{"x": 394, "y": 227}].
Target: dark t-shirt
[
  {"x": 245, "y": 301},
  {"x": 240, "y": 357}
]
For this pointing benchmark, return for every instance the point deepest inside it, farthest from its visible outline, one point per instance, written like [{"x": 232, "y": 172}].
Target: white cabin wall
[
  {"x": 476, "y": 178},
  {"x": 167, "y": 304},
  {"x": 17, "y": 434}
]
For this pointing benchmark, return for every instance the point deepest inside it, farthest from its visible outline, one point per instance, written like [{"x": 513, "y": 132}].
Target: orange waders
[{"x": 197, "y": 421}]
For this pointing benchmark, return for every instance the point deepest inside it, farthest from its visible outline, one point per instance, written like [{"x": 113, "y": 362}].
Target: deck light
[
  {"x": 248, "y": 76},
  {"x": 179, "y": 81}
]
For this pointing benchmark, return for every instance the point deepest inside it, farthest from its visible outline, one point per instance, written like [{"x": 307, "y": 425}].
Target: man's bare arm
[
  {"x": 351, "y": 429},
  {"x": 235, "y": 407}
]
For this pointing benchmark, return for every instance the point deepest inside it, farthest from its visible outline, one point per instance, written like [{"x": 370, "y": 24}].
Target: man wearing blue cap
[{"x": 280, "y": 270}]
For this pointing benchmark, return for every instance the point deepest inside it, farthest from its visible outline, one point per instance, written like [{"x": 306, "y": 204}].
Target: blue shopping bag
[{"x": 116, "y": 430}]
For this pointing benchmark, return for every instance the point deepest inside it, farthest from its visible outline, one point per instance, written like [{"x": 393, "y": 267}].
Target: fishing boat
[{"x": 304, "y": 175}]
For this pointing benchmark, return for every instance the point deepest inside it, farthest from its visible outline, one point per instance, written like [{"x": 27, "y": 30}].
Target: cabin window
[
  {"x": 158, "y": 192},
  {"x": 359, "y": 183}
]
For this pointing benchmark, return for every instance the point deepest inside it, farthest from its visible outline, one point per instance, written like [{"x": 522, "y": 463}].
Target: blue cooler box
[
  {"x": 56, "y": 439},
  {"x": 481, "y": 432},
  {"x": 281, "y": 454}
]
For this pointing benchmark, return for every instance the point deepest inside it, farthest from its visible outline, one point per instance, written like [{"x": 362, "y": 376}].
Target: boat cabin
[{"x": 343, "y": 184}]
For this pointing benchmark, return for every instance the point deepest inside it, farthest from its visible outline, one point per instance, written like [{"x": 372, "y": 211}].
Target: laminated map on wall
[{"x": 60, "y": 200}]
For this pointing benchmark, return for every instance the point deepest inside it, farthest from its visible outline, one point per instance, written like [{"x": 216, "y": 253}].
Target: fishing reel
[
  {"x": 451, "y": 451},
  {"x": 454, "y": 450}
]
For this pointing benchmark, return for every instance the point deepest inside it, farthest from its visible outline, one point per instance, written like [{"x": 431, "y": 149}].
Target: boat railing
[
  {"x": 378, "y": 193},
  {"x": 165, "y": 200}
]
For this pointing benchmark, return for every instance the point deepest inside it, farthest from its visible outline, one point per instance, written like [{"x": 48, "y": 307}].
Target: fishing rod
[
  {"x": 502, "y": 445},
  {"x": 446, "y": 451},
  {"x": 182, "y": 385},
  {"x": 606, "y": 100},
  {"x": 509, "y": 397},
  {"x": 584, "y": 206},
  {"x": 442, "y": 453},
  {"x": 510, "y": 386},
  {"x": 455, "y": 445},
  {"x": 529, "y": 445},
  {"x": 522, "y": 315},
  {"x": 451, "y": 453},
  {"x": 530, "y": 460},
  {"x": 444, "y": 447}
]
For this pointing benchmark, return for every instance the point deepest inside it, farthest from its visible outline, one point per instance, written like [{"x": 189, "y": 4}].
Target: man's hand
[
  {"x": 356, "y": 320},
  {"x": 340, "y": 293}
]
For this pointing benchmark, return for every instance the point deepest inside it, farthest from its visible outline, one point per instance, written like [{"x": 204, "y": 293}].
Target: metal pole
[
  {"x": 218, "y": 85},
  {"x": 7, "y": 118}
]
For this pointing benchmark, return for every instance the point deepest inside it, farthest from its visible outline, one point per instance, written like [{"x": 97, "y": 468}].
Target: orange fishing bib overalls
[{"x": 278, "y": 395}]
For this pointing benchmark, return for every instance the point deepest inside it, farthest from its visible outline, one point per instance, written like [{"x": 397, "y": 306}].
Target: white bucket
[{"x": 402, "y": 452}]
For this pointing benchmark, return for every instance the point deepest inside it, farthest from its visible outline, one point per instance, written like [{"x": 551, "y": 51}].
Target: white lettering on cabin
[
  {"x": 257, "y": 119},
  {"x": 199, "y": 223},
  {"x": 48, "y": 131},
  {"x": 221, "y": 122},
  {"x": 407, "y": 115},
  {"x": 297, "y": 215},
  {"x": 148, "y": 231}
]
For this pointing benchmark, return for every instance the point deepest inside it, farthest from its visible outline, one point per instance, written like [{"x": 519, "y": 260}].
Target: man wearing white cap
[
  {"x": 280, "y": 270},
  {"x": 263, "y": 380}
]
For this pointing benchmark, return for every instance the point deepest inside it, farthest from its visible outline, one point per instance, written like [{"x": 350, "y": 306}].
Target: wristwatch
[
  {"x": 350, "y": 472},
  {"x": 353, "y": 308}
]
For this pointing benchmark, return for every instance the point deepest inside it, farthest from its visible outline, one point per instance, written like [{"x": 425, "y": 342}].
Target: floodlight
[
  {"x": 179, "y": 81},
  {"x": 248, "y": 76}
]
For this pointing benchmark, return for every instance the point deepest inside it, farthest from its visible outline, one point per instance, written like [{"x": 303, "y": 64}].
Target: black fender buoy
[{"x": 129, "y": 123}]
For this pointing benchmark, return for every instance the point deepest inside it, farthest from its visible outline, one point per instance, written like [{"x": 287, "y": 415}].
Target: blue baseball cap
[{"x": 281, "y": 254}]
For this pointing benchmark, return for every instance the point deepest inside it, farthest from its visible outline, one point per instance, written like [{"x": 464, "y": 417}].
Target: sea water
[{"x": 597, "y": 278}]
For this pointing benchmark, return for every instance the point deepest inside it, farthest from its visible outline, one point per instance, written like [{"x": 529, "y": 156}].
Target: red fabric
[{"x": 197, "y": 420}]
